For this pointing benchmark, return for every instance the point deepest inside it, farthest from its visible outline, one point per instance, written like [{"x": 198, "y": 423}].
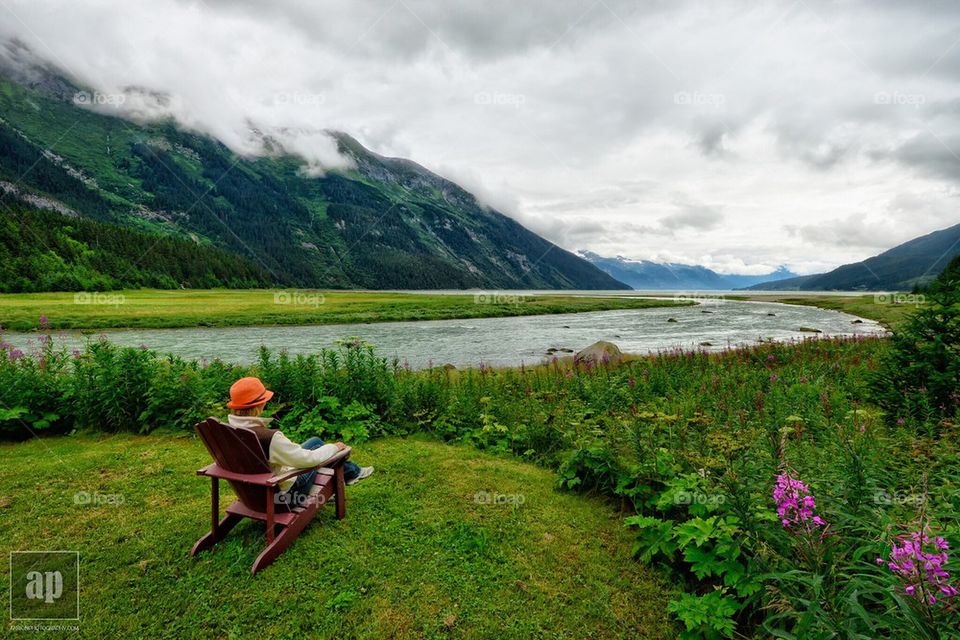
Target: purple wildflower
[
  {"x": 795, "y": 504},
  {"x": 916, "y": 558},
  {"x": 15, "y": 354},
  {"x": 44, "y": 323}
]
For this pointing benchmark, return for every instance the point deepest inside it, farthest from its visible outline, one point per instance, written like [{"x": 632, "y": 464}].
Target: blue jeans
[{"x": 301, "y": 486}]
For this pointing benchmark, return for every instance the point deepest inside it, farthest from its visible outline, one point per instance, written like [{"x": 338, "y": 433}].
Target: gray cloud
[
  {"x": 933, "y": 154},
  {"x": 856, "y": 230},
  {"x": 693, "y": 216}
]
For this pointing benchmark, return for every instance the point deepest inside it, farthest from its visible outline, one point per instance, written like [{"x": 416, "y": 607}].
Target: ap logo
[{"x": 44, "y": 585}]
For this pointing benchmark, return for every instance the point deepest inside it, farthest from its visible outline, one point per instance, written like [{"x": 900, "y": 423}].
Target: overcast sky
[{"x": 741, "y": 137}]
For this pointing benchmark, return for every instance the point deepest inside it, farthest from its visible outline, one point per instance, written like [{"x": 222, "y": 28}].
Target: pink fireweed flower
[
  {"x": 916, "y": 558},
  {"x": 795, "y": 504}
]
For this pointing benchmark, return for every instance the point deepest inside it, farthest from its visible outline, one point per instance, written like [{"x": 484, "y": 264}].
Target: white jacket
[{"x": 284, "y": 454}]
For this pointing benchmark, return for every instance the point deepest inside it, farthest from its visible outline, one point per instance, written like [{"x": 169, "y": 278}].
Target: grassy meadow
[
  {"x": 418, "y": 556},
  {"x": 158, "y": 308},
  {"x": 887, "y": 309}
]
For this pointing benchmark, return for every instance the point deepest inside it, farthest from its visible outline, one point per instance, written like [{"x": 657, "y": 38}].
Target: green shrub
[
  {"x": 33, "y": 387},
  {"x": 919, "y": 377}
]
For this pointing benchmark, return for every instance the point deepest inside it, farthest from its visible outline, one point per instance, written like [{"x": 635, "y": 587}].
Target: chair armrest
[
  {"x": 293, "y": 473},
  {"x": 268, "y": 479},
  {"x": 339, "y": 458},
  {"x": 216, "y": 471}
]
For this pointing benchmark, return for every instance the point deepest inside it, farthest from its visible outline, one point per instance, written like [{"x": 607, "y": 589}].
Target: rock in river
[{"x": 600, "y": 352}]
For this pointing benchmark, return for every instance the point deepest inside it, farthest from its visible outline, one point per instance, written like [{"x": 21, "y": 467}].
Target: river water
[{"x": 506, "y": 341}]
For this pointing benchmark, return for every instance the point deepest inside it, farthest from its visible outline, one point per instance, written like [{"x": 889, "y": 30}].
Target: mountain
[
  {"x": 912, "y": 264},
  {"x": 644, "y": 274},
  {"x": 743, "y": 281},
  {"x": 386, "y": 223}
]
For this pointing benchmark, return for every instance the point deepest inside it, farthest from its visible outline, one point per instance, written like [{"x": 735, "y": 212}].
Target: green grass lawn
[
  {"x": 881, "y": 308},
  {"x": 417, "y": 556},
  {"x": 154, "y": 308}
]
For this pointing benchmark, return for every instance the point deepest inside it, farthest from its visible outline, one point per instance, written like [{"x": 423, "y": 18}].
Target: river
[{"x": 714, "y": 324}]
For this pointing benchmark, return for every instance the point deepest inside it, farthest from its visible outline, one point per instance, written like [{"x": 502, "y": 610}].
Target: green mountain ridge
[
  {"x": 907, "y": 266},
  {"x": 388, "y": 223},
  {"x": 44, "y": 250}
]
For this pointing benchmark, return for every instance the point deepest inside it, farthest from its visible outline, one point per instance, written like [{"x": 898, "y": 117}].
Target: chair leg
[
  {"x": 216, "y": 535},
  {"x": 283, "y": 540},
  {"x": 340, "y": 492},
  {"x": 218, "y": 528},
  {"x": 270, "y": 528}
]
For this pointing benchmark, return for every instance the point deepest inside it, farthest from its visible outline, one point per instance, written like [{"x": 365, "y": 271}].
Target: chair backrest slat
[{"x": 239, "y": 451}]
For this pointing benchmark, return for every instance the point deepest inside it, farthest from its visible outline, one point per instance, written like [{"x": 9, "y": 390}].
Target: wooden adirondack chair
[{"x": 240, "y": 460}]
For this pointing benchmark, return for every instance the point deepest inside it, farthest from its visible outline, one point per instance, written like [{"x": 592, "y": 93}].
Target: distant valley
[
  {"x": 646, "y": 274},
  {"x": 905, "y": 267}
]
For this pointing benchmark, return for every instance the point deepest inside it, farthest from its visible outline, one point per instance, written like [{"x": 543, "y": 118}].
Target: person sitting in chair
[{"x": 248, "y": 397}]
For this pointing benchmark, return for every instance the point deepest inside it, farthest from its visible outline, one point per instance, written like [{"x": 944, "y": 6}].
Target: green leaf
[{"x": 696, "y": 530}]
